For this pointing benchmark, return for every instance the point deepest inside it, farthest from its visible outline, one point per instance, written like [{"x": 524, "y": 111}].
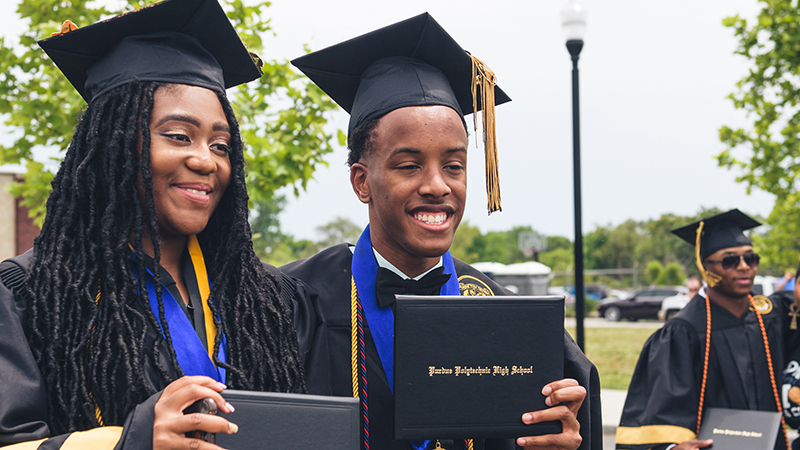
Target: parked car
[
  {"x": 644, "y": 304},
  {"x": 671, "y": 305},
  {"x": 620, "y": 293},
  {"x": 592, "y": 293}
]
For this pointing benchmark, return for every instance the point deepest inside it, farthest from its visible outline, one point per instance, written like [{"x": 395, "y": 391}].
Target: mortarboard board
[
  {"x": 414, "y": 62},
  {"x": 716, "y": 233},
  {"x": 175, "y": 41}
]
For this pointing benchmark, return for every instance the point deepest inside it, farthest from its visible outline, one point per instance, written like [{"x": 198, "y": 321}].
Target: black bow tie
[{"x": 388, "y": 283}]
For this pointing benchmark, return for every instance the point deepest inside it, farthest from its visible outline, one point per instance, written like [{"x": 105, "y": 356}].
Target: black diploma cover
[
  {"x": 470, "y": 367},
  {"x": 291, "y": 421},
  {"x": 736, "y": 429}
]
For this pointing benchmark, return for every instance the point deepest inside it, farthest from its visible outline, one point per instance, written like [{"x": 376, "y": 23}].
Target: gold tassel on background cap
[
  {"x": 66, "y": 27},
  {"x": 711, "y": 278},
  {"x": 484, "y": 80}
]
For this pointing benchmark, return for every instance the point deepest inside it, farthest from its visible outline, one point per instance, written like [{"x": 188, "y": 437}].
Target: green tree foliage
[
  {"x": 277, "y": 248},
  {"x": 659, "y": 275},
  {"x": 559, "y": 259},
  {"x": 281, "y": 115},
  {"x": 337, "y": 231},
  {"x": 672, "y": 275},
  {"x": 613, "y": 248},
  {"x": 767, "y": 150},
  {"x": 500, "y": 246},
  {"x": 661, "y": 245},
  {"x": 558, "y": 242},
  {"x": 495, "y": 246},
  {"x": 593, "y": 243},
  {"x": 463, "y": 241},
  {"x": 653, "y": 271},
  {"x": 270, "y": 243},
  {"x": 265, "y": 225},
  {"x": 629, "y": 243},
  {"x": 779, "y": 243}
]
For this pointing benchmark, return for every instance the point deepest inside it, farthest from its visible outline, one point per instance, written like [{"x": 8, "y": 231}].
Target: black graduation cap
[
  {"x": 410, "y": 63},
  {"x": 175, "y": 41},
  {"x": 721, "y": 231}
]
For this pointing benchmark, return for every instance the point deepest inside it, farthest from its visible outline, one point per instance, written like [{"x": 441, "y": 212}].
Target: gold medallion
[
  {"x": 763, "y": 304},
  {"x": 469, "y": 285}
]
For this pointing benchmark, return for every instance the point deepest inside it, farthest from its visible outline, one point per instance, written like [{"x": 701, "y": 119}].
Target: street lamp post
[{"x": 573, "y": 21}]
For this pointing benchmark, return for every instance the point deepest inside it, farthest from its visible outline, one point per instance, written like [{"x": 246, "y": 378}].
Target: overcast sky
[{"x": 654, "y": 80}]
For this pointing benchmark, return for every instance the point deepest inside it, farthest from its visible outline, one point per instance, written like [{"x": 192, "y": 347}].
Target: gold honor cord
[
  {"x": 706, "y": 353},
  {"x": 483, "y": 83},
  {"x": 97, "y": 412},
  {"x": 711, "y": 278},
  {"x": 199, "y": 264},
  {"x": 771, "y": 372},
  {"x": 354, "y": 335}
]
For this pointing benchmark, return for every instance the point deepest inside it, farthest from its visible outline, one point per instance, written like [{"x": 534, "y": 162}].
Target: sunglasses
[{"x": 730, "y": 262}]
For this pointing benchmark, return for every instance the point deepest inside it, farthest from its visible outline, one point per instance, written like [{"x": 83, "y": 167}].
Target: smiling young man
[
  {"x": 417, "y": 171},
  {"x": 744, "y": 355},
  {"x": 407, "y": 88}
]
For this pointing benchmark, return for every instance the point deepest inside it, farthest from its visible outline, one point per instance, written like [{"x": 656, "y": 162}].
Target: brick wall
[{"x": 26, "y": 229}]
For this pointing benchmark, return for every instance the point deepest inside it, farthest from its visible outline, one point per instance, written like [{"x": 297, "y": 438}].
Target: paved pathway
[{"x": 612, "y": 402}]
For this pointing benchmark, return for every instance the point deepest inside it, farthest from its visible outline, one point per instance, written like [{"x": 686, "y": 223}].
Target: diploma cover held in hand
[
  {"x": 291, "y": 421},
  {"x": 737, "y": 429},
  {"x": 470, "y": 367}
]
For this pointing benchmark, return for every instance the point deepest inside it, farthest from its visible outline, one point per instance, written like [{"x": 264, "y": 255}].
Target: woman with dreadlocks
[{"x": 142, "y": 293}]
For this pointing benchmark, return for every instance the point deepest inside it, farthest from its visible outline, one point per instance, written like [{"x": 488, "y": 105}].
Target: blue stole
[
  {"x": 189, "y": 350},
  {"x": 381, "y": 320}
]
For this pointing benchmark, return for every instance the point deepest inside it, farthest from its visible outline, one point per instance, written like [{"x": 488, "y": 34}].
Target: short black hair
[{"x": 359, "y": 143}]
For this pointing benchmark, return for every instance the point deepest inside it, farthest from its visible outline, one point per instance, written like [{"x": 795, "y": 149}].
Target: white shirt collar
[{"x": 383, "y": 262}]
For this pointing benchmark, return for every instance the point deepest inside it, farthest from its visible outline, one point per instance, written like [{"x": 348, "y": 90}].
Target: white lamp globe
[{"x": 573, "y": 21}]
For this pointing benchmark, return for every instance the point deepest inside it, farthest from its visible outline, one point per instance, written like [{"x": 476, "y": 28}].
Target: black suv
[{"x": 641, "y": 305}]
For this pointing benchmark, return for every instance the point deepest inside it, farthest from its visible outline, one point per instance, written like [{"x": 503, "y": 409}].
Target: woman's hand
[
  {"x": 564, "y": 398},
  {"x": 171, "y": 424}
]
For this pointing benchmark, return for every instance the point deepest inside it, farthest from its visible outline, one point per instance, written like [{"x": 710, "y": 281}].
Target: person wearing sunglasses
[{"x": 748, "y": 336}]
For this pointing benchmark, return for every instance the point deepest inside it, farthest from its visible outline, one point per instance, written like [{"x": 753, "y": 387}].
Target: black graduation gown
[
  {"x": 790, "y": 378},
  {"x": 323, "y": 325},
  {"x": 23, "y": 401},
  {"x": 663, "y": 397}
]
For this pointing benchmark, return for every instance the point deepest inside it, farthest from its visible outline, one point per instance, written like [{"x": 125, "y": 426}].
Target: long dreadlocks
[{"x": 88, "y": 316}]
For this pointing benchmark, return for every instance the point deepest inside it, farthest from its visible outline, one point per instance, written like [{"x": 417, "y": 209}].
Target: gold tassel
[
  {"x": 484, "y": 80},
  {"x": 66, "y": 27},
  {"x": 711, "y": 278}
]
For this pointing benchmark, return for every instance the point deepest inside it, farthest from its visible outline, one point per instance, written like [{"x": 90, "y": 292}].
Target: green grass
[{"x": 614, "y": 351}]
